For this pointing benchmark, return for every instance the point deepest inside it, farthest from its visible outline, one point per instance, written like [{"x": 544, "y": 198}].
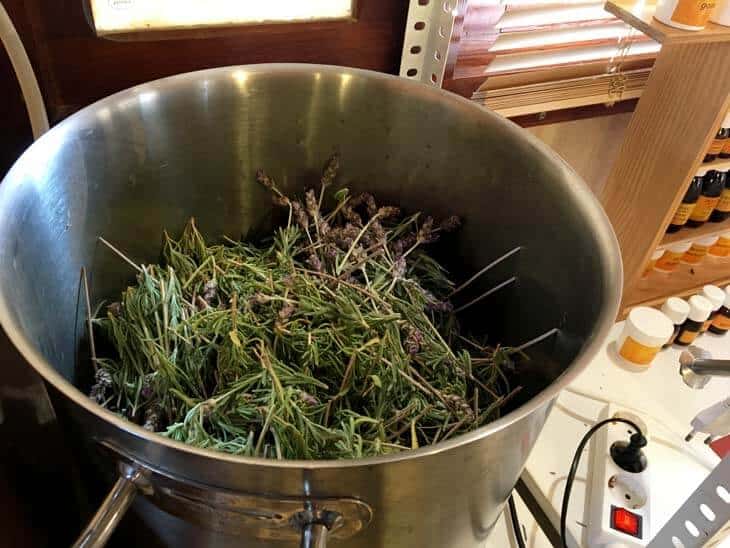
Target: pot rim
[{"x": 613, "y": 278}]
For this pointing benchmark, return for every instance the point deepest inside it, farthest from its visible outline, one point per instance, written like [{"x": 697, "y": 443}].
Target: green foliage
[{"x": 335, "y": 339}]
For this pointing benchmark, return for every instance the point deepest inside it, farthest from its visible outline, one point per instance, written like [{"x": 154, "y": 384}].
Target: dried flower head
[
  {"x": 210, "y": 291},
  {"x": 413, "y": 341},
  {"x": 152, "y": 419},
  {"x": 399, "y": 268},
  {"x": 425, "y": 233},
  {"x": 310, "y": 200},
  {"x": 299, "y": 215},
  {"x": 264, "y": 179},
  {"x": 388, "y": 212},
  {"x": 352, "y": 216},
  {"x": 330, "y": 172},
  {"x": 314, "y": 262},
  {"x": 115, "y": 309},
  {"x": 450, "y": 224},
  {"x": 307, "y": 398},
  {"x": 282, "y": 201},
  {"x": 286, "y": 311}
]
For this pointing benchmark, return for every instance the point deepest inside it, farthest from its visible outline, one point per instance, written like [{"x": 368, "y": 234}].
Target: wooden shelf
[
  {"x": 689, "y": 234},
  {"x": 640, "y": 15},
  {"x": 686, "y": 280}
]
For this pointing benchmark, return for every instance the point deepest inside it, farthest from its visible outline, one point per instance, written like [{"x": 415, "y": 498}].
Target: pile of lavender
[{"x": 334, "y": 339}]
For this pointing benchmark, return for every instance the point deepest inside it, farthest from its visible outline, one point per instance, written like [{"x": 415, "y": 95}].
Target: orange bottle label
[
  {"x": 669, "y": 261},
  {"x": 716, "y": 146},
  {"x": 724, "y": 203},
  {"x": 703, "y": 208},
  {"x": 721, "y": 248},
  {"x": 693, "y": 12},
  {"x": 721, "y": 322},
  {"x": 726, "y": 147},
  {"x": 682, "y": 214},
  {"x": 687, "y": 337},
  {"x": 636, "y": 352},
  {"x": 694, "y": 254},
  {"x": 719, "y": 251}
]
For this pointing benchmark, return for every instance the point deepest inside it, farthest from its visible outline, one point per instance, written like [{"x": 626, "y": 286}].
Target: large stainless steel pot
[{"x": 150, "y": 157}]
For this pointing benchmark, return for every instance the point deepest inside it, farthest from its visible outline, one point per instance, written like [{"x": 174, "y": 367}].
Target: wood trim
[
  {"x": 664, "y": 145},
  {"x": 578, "y": 113},
  {"x": 462, "y": 9}
]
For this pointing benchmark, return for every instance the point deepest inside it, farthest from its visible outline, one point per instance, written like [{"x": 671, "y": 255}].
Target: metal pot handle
[
  {"x": 314, "y": 535},
  {"x": 315, "y": 526},
  {"x": 96, "y": 534}
]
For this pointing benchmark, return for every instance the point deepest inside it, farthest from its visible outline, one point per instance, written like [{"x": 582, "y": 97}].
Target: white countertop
[{"x": 659, "y": 396}]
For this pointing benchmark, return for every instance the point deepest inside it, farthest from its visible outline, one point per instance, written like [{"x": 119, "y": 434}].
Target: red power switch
[{"x": 625, "y": 521}]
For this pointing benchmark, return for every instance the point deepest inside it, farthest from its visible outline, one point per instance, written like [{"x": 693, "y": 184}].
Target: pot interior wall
[{"x": 149, "y": 158}]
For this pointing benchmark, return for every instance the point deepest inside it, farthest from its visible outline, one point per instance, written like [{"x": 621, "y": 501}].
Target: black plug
[{"x": 628, "y": 455}]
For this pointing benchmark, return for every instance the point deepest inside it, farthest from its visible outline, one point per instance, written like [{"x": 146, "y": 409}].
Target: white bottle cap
[
  {"x": 727, "y": 297},
  {"x": 680, "y": 247},
  {"x": 707, "y": 241},
  {"x": 648, "y": 326},
  {"x": 714, "y": 294},
  {"x": 676, "y": 309},
  {"x": 658, "y": 252},
  {"x": 699, "y": 308}
]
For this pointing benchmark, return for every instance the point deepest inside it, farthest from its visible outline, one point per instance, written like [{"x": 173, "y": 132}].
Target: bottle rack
[{"x": 679, "y": 113}]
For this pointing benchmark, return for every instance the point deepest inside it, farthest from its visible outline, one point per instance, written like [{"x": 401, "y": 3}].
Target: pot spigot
[{"x": 696, "y": 367}]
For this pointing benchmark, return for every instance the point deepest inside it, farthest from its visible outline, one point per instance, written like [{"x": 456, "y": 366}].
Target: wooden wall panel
[{"x": 76, "y": 68}]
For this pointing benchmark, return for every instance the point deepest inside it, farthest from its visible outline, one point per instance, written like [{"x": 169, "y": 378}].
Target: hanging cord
[
  {"x": 515, "y": 522},
  {"x": 574, "y": 469},
  {"x": 24, "y": 72},
  {"x": 617, "y": 82}
]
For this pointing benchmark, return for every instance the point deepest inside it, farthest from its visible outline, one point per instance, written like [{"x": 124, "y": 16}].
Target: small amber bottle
[
  {"x": 699, "y": 310},
  {"x": 688, "y": 204},
  {"x": 698, "y": 250},
  {"x": 719, "y": 142},
  {"x": 722, "y": 209},
  {"x": 721, "y": 249},
  {"x": 716, "y": 296},
  {"x": 712, "y": 187},
  {"x": 721, "y": 323},
  {"x": 658, "y": 252},
  {"x": 725, "y": 152},
  {"x": 669, "y": 261},
  {"x": 677, "y": 310}
]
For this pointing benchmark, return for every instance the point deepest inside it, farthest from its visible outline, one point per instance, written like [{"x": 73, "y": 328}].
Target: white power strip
[{"x": 620, "y": 502}]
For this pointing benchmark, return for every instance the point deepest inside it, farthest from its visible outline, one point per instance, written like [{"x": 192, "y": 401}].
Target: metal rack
[{"x": 427, "y": 38}]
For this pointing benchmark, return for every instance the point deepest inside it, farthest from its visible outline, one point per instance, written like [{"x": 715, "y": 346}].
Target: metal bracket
[
  {"x": 265, "y": 517},
  {"x": 703, "y": 518},
  {"x": 427, "y": 38}
]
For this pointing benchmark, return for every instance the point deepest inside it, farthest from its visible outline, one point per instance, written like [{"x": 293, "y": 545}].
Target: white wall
[{"x": 590, "y": 145}]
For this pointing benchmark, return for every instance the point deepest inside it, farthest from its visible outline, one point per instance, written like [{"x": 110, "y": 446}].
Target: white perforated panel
[
  {"x": 703, "y": 519},
  {"x": 426, "y": 41}
]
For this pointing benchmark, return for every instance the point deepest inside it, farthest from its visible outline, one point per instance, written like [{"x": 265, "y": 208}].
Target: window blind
[{"x": 539, "y": 55}]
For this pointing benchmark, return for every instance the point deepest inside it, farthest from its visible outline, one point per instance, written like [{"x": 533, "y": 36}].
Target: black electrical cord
[
  {"x": 515, "y": 522},
  {"x": 574, "y": 469}
]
